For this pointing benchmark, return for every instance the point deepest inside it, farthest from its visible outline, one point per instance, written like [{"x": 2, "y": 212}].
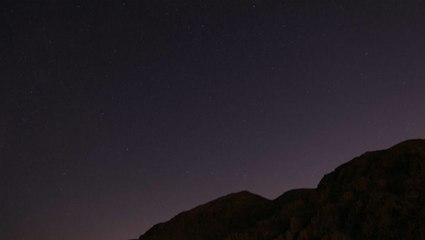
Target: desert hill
[{"x": 378, "y": 195}]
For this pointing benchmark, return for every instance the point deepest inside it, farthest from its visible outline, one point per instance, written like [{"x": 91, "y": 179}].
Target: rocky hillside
[{"x": 378, "y": 195}]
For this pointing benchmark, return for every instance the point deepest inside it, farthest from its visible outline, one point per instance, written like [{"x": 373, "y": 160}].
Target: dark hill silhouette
[{"x": 378, "y": 195}]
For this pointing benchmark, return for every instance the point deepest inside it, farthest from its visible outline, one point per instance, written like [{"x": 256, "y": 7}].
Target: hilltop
[{"x": 378, "y": 195}]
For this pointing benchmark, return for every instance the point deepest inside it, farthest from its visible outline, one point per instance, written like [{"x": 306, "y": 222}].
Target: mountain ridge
[{"x": 377, "y": 195}]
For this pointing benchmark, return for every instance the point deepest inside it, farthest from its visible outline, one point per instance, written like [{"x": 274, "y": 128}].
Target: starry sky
[{"x": 116, "y": 115}]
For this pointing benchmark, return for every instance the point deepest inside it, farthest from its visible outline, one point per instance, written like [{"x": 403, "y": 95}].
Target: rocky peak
[{"x": 378, "y": 195}]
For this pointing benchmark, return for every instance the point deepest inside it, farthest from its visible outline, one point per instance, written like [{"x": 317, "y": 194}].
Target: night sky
[{"x": 116, "y": 115}]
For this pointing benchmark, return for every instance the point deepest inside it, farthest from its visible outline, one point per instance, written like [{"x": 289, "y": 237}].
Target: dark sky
[{"x": 116, "y": 115}]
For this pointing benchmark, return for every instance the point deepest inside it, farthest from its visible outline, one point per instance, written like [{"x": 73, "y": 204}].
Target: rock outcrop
[{"x": 378, "y": 195}]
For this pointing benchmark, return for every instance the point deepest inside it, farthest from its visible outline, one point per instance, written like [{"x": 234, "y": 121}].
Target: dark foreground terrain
[{"x": 378, "y": 195}]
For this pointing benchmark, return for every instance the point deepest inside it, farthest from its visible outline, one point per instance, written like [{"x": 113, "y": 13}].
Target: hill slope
[{"x": 378, "y": 195}]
